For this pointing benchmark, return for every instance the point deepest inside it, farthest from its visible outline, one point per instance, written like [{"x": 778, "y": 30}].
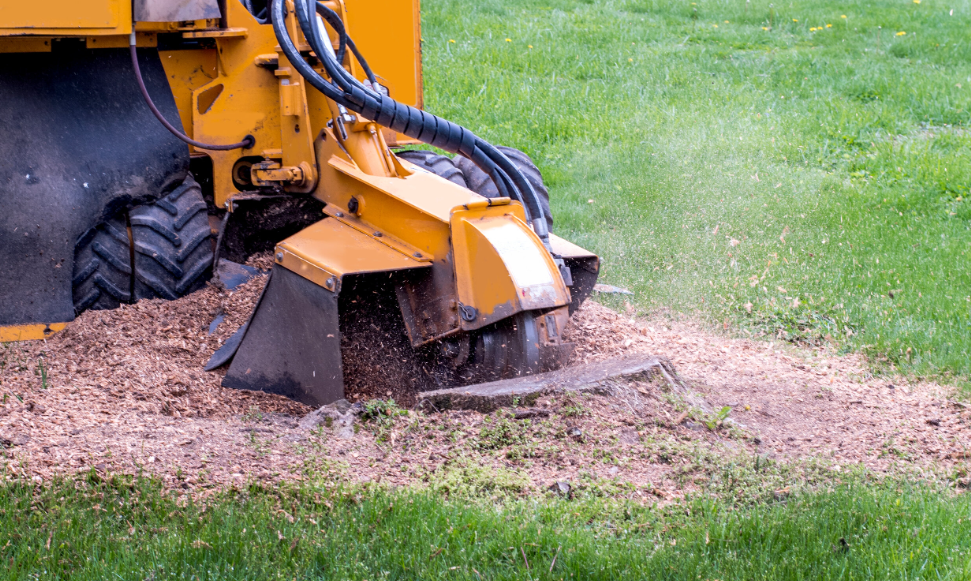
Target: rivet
[
  {"x": 339, "y": 214},
  {"x": 279, "y": 256},
  {"x": 417, "y": 255},
  {"x": 329, "y": 283},
  {"x": 377, "y": 234}
]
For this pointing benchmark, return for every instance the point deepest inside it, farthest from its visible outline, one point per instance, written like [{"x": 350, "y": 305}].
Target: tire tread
[
  {"x": 480, "y": 182},
  {"x": 171, "y": 254},
  {"x": 102, "y": 267},
  {"x": 440, "y": 165}
]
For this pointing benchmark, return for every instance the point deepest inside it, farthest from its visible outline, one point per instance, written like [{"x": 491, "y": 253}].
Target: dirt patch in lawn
[{"x": 124, "y": 391}]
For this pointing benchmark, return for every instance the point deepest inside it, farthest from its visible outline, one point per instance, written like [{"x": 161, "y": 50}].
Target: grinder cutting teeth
[{"x": 409, "y": 270}]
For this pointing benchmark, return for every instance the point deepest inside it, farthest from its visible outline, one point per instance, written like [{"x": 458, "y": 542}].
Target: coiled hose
[{"x": 347, "y": 91}]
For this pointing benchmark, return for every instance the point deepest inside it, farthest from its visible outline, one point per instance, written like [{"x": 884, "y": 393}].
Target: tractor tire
[
  {"x": 102, "y": 267},
  {"x": 439, "y": 165},
  {"x": 173, "y": 252},
  {"x": 480, "y": 182}
]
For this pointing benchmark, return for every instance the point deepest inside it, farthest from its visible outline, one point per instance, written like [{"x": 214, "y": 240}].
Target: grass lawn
[
  {"x": 127, "y": 529},
  {"x": 796, "y": 169},
  {"x": 799, "y": 169}
]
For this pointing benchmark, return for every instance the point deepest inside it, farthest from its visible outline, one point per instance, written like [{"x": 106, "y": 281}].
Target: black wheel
[
  {"x": 173, "y": 252},
  {"x": 439, "y": 165},
  {"x": 480, "y": 182},
  {"x": 102, "y": 267}
]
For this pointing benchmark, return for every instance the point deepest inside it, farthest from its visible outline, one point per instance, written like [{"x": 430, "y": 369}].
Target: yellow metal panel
[
  {"x": 187, "y": 70},
  {"x": 483, "y": 280},
  {"x": 324, "y": 252},
  {"x": 29, "y": 332},
  {"x": 65, "y": 16},
  {"x": 376, "y": 235},
  {"x": 249, "y": 103},
  {"x": 567, "y": 249},
  {"x": 143, "y": 39},
  {"x": 388, "y": 33},
  {"x": 24, "y": 44},
  {"x": 501, "y": 266},
  {"x": 422, "y": 190},
  {"x": 392, "y": 206},
  {"x": 218, "y": 33}
]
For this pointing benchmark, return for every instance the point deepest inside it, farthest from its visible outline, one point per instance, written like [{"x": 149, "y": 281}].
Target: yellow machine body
[{"x": 475, "y": 261}]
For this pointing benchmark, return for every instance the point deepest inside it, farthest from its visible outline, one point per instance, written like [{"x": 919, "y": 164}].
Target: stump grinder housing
[{"x": 143, "y": 140}]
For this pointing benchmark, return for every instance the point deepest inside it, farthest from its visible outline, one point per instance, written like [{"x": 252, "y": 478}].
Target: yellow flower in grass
[
  {"x": 508, "y": 40},
  {"x": 529, "y": 46},
  {"x": 765, "y": 28},
  {"x": 901, "y": 33},
  {"x": 451, "y": 41},
  {"x": 842, "y": 16},
  {"x": 813, "y": 29},
  {"x": 916, "y": 1},
  {"x": 829, "y": 26},
  {"x": 714, "y": 26},
  {"x": 795, "y": 20}
]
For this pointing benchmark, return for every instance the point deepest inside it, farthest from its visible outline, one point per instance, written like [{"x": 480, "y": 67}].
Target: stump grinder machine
[{"x": 142, "y": 140}]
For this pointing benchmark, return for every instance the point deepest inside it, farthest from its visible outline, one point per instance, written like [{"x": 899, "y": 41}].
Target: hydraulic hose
[
  {"x": 246, "y": 143},
  {"x": 345, "y": 90},
  {"x": 345, "y": 40}
]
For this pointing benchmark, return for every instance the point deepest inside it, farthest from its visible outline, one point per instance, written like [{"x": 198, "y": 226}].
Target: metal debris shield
[{"x": 291, "y": 345}]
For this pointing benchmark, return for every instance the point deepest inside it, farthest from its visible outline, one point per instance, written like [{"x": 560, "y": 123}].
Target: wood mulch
[{"x": 124, "y": 391}]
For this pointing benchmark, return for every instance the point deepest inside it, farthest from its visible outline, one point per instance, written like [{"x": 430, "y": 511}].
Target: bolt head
[{"x": 279, "y": 256}]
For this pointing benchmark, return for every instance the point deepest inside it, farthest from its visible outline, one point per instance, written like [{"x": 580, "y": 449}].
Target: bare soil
[{"x": 124, "y": 391}]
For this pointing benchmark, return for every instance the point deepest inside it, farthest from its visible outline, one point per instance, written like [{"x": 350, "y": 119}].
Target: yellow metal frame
[
  {"x": 382, "y": 214},
  {"x": 33, "y": 332},
  {"x": 475, "y": 248}
]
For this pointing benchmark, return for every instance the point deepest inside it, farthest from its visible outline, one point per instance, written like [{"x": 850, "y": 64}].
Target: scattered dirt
[
  {"x": 124, "y": 391},
  {"x": 798, "y": 402}
]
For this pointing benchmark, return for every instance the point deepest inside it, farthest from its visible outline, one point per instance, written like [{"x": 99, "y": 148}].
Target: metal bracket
[{"x": 272, "y": 173}]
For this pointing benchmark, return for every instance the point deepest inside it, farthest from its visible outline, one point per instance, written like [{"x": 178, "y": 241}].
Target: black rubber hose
[
  {"x": 484, "y": 155},
  {"x": 337, "y": 24},
  {"x": 334, "y": 65},
  {"x": 349, "y": 92},
  {"x": 329, "y": 90},
  {"x": 246, "y": 143}
]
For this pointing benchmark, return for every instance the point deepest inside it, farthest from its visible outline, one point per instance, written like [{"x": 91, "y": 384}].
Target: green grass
[
  {"x": 128, "y": 529},
  {"x": 783, "y": 179},
  {"x": 711, "y": 168}
]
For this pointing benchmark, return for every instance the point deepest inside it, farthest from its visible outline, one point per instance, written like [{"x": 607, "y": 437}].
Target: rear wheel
[
  {"x": 480, "y": 182},
  {"x": 439, "y": 165},
  {"x": 102, "y": 267},
  {"x": 173, "y": 253},
  {"x": 169, "y": 242}
]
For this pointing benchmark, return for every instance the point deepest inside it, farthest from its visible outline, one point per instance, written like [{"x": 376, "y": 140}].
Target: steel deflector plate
[{"x": 292, "y": 343}]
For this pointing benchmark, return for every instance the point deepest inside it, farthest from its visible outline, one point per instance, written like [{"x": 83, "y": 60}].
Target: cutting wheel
[{"x": 508, "y": 349}]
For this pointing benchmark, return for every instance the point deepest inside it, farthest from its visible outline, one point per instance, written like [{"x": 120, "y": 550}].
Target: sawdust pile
[
  {"x": 142, "y": 358},
  {"x": 124, "y": 391}
]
